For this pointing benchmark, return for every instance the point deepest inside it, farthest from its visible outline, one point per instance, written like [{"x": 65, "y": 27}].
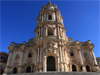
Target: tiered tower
[{"x": 50, "y": 32}]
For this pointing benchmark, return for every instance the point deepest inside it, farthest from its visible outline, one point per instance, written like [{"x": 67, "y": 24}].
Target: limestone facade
[
  {"x": 98, "y": 61},
  {"x": 3, "y": 61},
  {"x": 51, "y": 49}
]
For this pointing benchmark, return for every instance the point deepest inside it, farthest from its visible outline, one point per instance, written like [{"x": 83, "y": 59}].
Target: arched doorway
[
  {"x": 74, "y": 68},
  {"x": 15, "y": 70},
  {"x": 87, "y": 68},
  {"x": 28, "y": 69},
  {"x": 50, "y": 63}
]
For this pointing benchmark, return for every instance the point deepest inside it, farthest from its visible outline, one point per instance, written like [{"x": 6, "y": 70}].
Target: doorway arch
[
  {"x": 28, "y": 69},
  {"x": 15, "y": 70},
  {"x": 87, "y": 68},
  {"x": 74, "y": 68},
  {"x": 50, "y": 63}
]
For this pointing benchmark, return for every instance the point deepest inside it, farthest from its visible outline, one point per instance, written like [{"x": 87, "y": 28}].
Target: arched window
[
  {"x": 29, "y": 55},
  {"x": 28, "y": 69},
  {"x": 87, "y": 68},
  {"x": 49, "y": 17},
  {"x": 74, "y": 68},
  {"x": 71, "y": 54},
  {"x": 50, "y": 31},
  {"x": 17, "y": 56},
  {"x": 15, "y": 70},
  {"x": 2, "y": 58}
]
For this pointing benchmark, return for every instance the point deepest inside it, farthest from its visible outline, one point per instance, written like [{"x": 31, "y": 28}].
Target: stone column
[
  {"x": 96, "y": 67},
  {"x": 22, "y": 56},
  {"x": 46, "y": 16},
  {"x": 81, "y": 57},
  {"x": 42, "y": 17},
  {"x": 61, "y": 32},
  {"x": 58, "y": 64},
  {"x": 40, "y": 63},
  {"x": 60, "y": 54},
  {"x": 43, "y": 35},
  {"x": 67, "y": 68},
  {"x": 70, "y": 67},
  {"x": 62, "y": 59},
  {"x": 62, "y": 68},
  {"x": 54, "y": 31},
  {"x": 46, "y": 31},
  {"x": 77, "y": 67},
  {"x": 21, "y": 62},
  {"x": 44, "y": 64},
  {"x": 6, "y": 70},
  {"x": 64, "y": 35},
  {"x": 41, "y": 32},
  {"x": 94, "y": 57},
  {"x": 58, "y": 61},
  {"x": 83, "y": 67},
  {"x": 9, "y": 59},
  {"x": 38, "y": 54},
  {"x": 58, "y": 31},
  {"x": 65, "y": 60}
]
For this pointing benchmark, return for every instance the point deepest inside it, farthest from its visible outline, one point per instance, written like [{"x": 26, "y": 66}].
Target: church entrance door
[{"x": 50, "y": 63}]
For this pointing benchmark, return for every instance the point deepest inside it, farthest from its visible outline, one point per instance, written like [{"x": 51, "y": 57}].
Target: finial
[{"x": 49, "y": 2}]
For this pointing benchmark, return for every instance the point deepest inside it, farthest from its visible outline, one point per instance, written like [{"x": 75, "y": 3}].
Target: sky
[{"x": 19, "y": 19}]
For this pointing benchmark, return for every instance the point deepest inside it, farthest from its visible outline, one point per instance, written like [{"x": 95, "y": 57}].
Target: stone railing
[
  {"x": 47, "y": 38},
  {"x": 50, "y": 37}
]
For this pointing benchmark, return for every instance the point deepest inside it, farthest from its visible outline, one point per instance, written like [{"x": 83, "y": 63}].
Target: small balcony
[{"x": 50, "y": 37}]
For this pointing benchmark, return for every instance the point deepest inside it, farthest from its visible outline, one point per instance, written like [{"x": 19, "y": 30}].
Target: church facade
[{"x": 51, "y": 49}]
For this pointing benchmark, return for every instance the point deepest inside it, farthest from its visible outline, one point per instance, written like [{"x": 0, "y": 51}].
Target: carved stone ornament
[
  {"x": 29, "y": 60},
  {"x": 16, "y": 63}
]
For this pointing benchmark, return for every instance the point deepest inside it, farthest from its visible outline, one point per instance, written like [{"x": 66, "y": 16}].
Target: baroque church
[{"x": 51, "y": 49}]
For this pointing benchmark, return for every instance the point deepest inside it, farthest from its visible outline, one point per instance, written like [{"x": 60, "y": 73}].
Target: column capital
[
  {"x": 23, "y": 47},
  {"x": 10, "y": 48},
  {"x": 95, "y": 65},
  {"x": 10, "y": 51},
  {"x": 92, "y": 50}
]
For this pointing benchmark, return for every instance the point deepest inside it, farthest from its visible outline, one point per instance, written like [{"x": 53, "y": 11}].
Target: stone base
[{"x": 58, "y": 73}]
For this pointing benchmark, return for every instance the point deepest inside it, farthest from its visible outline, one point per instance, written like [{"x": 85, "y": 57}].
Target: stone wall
[{"x": 98, "y": 61}]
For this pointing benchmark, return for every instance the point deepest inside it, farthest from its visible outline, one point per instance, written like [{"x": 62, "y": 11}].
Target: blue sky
[{"x": 19, "y": 19}]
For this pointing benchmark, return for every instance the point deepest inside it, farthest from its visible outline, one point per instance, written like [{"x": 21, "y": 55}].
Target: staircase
[{"x": 58, "y": 73}]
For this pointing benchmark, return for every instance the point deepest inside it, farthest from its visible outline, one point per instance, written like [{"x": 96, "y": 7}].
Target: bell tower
[{"x": 50, "y": 23}]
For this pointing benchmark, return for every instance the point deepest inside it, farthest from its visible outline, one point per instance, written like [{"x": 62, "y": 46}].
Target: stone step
[{"x": 58, "y": 73}]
